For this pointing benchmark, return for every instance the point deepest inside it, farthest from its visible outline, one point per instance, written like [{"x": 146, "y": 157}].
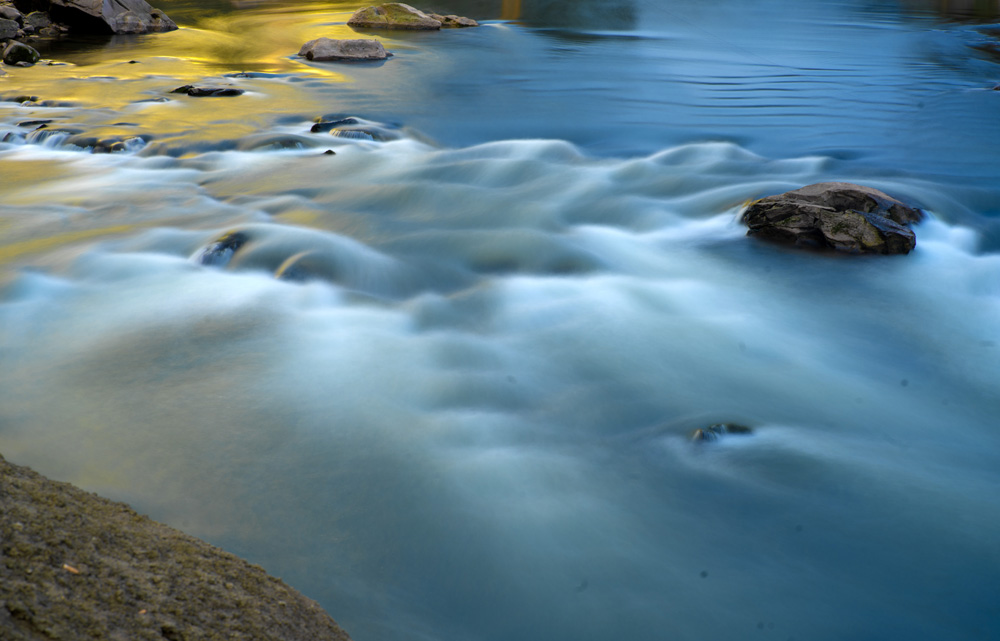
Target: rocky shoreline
[{"x": 74, "y": 565}]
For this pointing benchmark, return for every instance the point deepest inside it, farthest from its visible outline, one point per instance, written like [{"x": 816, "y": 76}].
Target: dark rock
[
  {"x": 34, "y": 123},
  {"x": 347, "y": 50},
  {"x": 208, "y": 91},
  {"x": 220, "y": 252},
  {"x": 74, "y": 566},
  {"x": 8, "y": 29},
  {"x": 16, "y": 53},
  {"x": 717, "y": 431},
  {"x": 393, "y": 15},
  {"x": 37, "y": 20},
  {"x": 842, "y": 216},
  {"x": 110, "y": 16},
  {"x": 327, "y": 125},
  {"x": 329, "y": 152},
  {"x": 20, "y": 99},
  {"x": 453, "y": 21}
]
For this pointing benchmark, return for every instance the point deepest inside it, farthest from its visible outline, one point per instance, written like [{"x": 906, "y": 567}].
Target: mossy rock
[
  {"x": 16, "y": 53},
  {"x": 393, "y": 15}
]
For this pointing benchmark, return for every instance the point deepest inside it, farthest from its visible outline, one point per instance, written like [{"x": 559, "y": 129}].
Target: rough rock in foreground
[
  {"x": 842, "y": 216},
  {"x": 76, "y": 566}
]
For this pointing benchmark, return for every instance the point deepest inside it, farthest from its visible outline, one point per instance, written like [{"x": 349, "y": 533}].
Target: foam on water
[{"x": 474, "y": 421}]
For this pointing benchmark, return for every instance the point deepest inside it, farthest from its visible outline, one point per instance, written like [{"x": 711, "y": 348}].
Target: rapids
[{"x": 447, "y": 385}]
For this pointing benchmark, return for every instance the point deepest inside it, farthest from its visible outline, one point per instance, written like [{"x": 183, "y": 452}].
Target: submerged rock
[
  {"x": 328, "y": 49},
  {"x": 208, "y": 91},
  {"x": 110, "y": 16},
  {"x": 841, "y": 216},
  {"x": 393, "y": 15},
  {"x": 16, "y": 53},
  {"x": 220, "y": 252},
  {"x": 74, "y": 565},
  {"x": 717, "y": 431},
  {"x": 453, "y": 21}
]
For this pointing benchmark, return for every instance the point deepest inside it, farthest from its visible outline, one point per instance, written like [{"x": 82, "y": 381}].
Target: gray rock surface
[
  {"x": 328, "y": 49},
  {"x": 8, "y": 29},
  {"x": 37, "y": 19},
  {"x": 110, "y": 16},
  {"x": 841, "y": 216},
  {"x": 19, "y": 53},
  {"x": 10, "y": 13},
  {"x": 75, "y": 567},
  {"x": 205, "y": 91},
  {"x": 393, "y": 15}
]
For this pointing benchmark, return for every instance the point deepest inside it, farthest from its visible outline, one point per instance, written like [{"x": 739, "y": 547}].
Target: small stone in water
[
  {"x": 208, "y": 91},
  {"x": 715, "y": 432}
]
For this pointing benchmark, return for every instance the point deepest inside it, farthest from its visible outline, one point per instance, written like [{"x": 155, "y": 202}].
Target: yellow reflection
[
  {"x": 511, "y": 10},
  {"x": 35, "y": 245}
]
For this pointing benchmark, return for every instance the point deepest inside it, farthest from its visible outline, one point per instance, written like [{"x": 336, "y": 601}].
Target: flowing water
[{"x": 447, "y": 384}]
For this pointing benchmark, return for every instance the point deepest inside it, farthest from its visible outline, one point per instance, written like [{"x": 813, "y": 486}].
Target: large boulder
[
  {"x": 841, "y": 216},
  {"x": 76, "y": 566},
  {"x": 393, "y": 15},
  {"x": 327, "y": 49},
  {"x": 110, "y": 16},
  {"x": 8, "y": 12}
]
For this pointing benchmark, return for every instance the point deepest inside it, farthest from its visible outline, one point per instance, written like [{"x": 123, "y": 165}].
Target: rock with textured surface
[
  {"x": 8, "y": 29},
  {"x": 328, "y": 49},
  {"x": 208, "y": 91},
  {"x": 76, "y": 566},
  {"x": 453, "y": 21},
  {"x": 393, "y": 15},
  {"x": 10, "y": 13},
  {"x": 110, "y": 16},
  {"x": 19, "y": 53},
  {"x": 842, "y": 216}
]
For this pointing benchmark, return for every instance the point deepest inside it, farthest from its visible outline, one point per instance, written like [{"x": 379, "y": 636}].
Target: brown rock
[
  {"x": 393, "y": 15},
  {"x": 328, "y": 49},
  {"x": 841, "y": 216},
  {"x": 110, "y": 16},
  {"x": 76, "y": 566}
]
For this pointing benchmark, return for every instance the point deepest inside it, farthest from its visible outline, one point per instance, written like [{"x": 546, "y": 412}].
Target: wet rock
[
  {"x": 16, "y": 53},
  {"x": 717, "y": 431},
  {"x": 8, "y": 29},
  {"x": 393, "y": 15},
  {"x": 327, "y": 125},
  {"x": 220, "y": 252},
  {"x": 208, "y": 91},
  {"x": 328, "y": 49},
  {"x": 453, "y": 21},
  {"x": 78, "y": 566},
  {"x": 110, "y": 16},
  {"x": 841, "y": 216}
]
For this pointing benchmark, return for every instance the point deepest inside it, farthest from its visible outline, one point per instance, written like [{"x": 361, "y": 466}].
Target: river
[{"x": 465, "y": 411}]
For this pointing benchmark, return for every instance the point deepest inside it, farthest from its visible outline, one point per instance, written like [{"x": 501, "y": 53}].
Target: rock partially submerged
[
  {"x": 74, "y": 565},
  {"x": 841, "y": 216},
  {"x": 717, "y": 431},
  {"x": 393, "y": 15},
  {"x": 347, "y": 50},
  {"x": 453, "y": 21},
  {"x": 102, "y": 16},
  {"x": 205, "y": 91}
]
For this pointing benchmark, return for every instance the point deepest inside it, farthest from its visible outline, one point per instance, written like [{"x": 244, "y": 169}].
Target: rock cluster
[
  {"x": 76, "y": 566},
  {"x": 55, "y": 17},
  {"x": 842, "y": 216}
]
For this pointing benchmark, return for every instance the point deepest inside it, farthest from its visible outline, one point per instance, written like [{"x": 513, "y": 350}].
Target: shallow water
[{"x": 463, "y": 410}]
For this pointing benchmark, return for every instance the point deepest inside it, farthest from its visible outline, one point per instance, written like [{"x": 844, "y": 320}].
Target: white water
[{"x": 475, "y": 422}]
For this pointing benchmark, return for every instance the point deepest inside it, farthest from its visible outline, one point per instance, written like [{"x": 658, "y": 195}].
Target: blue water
[{"x": 472, "y": 419}]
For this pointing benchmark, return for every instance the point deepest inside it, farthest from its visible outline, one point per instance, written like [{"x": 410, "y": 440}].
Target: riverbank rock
[
  {"x": 17, "y": 53},
  {"x": 841, "y": 216},
  {"x": 102, "y": 16},
  {"x": 76, "y": 566},
  {"x": 393, "y": 15},
  {"x": 347, "y": 50}
]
